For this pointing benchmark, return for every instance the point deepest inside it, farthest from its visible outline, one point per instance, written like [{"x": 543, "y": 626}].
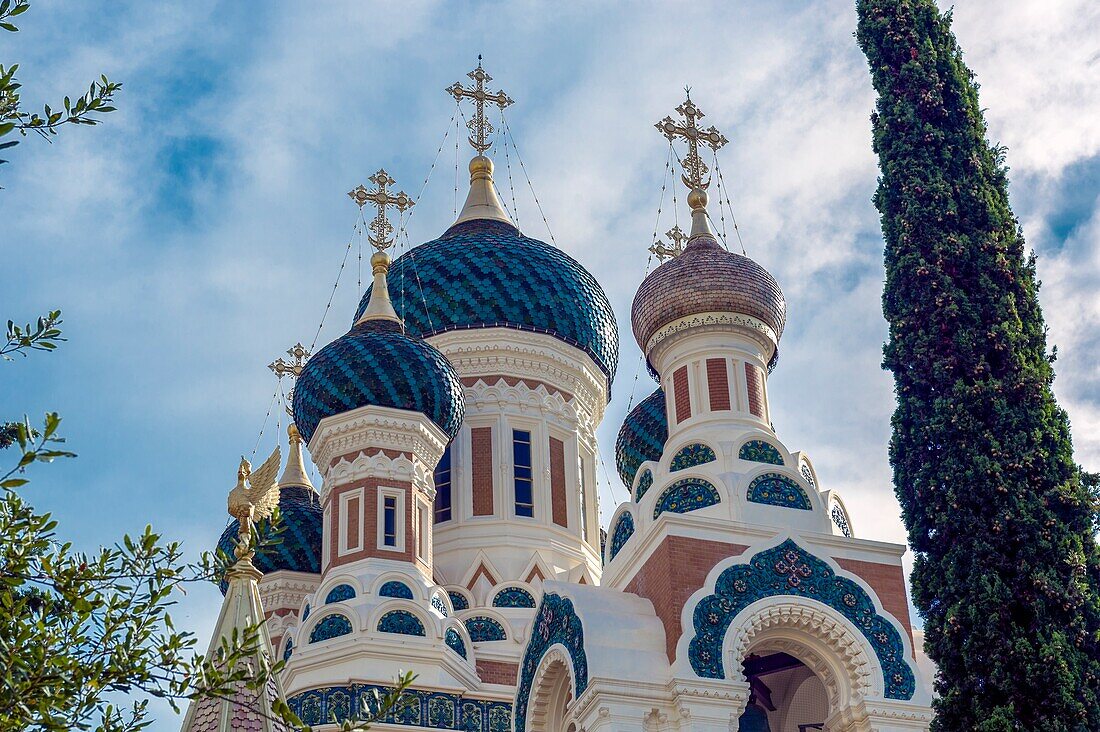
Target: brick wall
[
  {"x": 481, "y": 449},
  {"x": 672, "y": 573},
  {"x": 681, "y": 395},
  {"x": 756, "y": 390},
  {"x": 370, "y": 522},
  {"x": 559, "y": 503},
  {"x": 497, "y": 672},
  {"x": 718, "y": 384},
  {"x": 888, "y": 582}
]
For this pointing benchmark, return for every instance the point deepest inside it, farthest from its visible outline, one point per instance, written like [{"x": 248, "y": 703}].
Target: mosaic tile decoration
[
  {"x": 644, "y": 484},
  {"x": 759, "y": 451},
  {"x": 438, "y": 604},
  {"x": 305, "y": 613},
  {"x": 423, "y": 708},
  {"x": 395, "y": 588},
  {"x": 774, "y": 489},
  {"x": 340, "y": 593},
  {"x": 454, "y": 642},
  {"x": 458, "y": 601},
  {"x": 485, "y": 274},
  {"x": 401, "y": 622},
  {"x": 299, "y": 545},
  {"x": 691, "y": 455},
  {"x": 624, "y": 529},
  {"x": 788, "y": 569},
  {"x": 840, "y": 518},
  {"x": 642, "y": 436},
  {"x": 514, "y": 597},
  {"x": 374, "y": 363},
  {"x": 686, "y": 495},
  {"x": 808, "y": 475},
  {"x": 482, "y": 629},
  {"x": 289, "y": 649},
  {"x": 330, "y": 626},
  {"x": 555, "y": 622}
]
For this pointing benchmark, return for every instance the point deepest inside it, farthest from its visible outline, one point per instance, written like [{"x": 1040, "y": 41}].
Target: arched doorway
[
  {"x": 785, "y": 695},
  {"x": 552, "y": 694}
]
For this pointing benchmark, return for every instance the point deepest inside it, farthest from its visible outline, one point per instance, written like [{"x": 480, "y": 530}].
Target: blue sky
[{"x": 196, "y": 235}]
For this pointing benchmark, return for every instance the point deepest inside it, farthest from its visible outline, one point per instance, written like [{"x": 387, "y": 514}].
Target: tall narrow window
[
  {"x": 521, "y": 461},
  {"x": 583, "y": 499},
  {"x": 443, "y": 488},
  {"x": 421, "y": 530},
  {"x": 389, "y": 521}
]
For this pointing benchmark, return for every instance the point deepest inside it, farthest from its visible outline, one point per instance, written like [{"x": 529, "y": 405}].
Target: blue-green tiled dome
[
  {"x": 375, "y": 363},
  {"x": 484, "y": 273},
  {"x": 299, "y": 545},
  {"x": 642, "y": 436}
]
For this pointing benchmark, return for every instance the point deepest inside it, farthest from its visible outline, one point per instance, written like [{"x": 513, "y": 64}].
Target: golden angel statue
[{"x": 255, "y": 501}]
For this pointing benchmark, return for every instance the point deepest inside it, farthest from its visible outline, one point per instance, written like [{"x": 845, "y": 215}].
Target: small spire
[
  {"x": 696, "y": 175},
  {"x": 380, "y": 307},
  {"x": 295, "y": 472}
]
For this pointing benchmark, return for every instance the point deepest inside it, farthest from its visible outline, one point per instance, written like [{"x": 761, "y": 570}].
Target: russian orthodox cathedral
[{"x": 455, "y": 533}]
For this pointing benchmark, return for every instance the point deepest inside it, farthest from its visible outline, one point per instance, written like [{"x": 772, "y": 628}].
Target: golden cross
[
  {"x": 479, "y": 126},
  {"x": 380, "y": 227},
  {"x": 695, "y": 170},
  {"x": 293, "y": 368},
  {"x": 663, "y": 251}
]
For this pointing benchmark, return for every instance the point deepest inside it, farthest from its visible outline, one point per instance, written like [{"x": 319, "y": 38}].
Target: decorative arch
[
  {"x": 776, "y": 489},
  {"x": 513, "y": 596},
  {"x": 288, "y": 649},
  {"x": 551, "y": 691},
  {"x": 691, "y": 455},
  {"x": 329, "y": 627},
  {"x": 439, "y": 602},
  {"x": 624, "y": 529},
  {"x": 557, "y": 628},
  {"x": 788, "y": 569},
  {"x": 454, "y": 641},
  {"x": 686, "y": 495},
  {"x": 839, "y": 516},
  {"x": 340, "y": 593},
  {"x": 645, "y": 482},
  {"x": 459, "y": 600},
  {"x": 396, "y": 588},
  {"x": 482, "y": 628},
  {"x": 760, "y": 451},
  {"x": 401, "y": 622}
]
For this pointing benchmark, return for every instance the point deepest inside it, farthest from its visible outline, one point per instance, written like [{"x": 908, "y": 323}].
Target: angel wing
[{"x": 264, "y": 491}]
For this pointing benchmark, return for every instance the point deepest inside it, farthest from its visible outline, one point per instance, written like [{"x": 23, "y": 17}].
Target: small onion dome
[
  {"x": 376, "y": 364},
  {"x": 706, "y": 278},
  {"x": 299, "y": 545},
  {"x": 642, "y": 436}
]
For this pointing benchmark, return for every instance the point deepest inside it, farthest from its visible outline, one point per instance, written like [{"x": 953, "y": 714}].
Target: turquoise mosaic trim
[
  {"x": 644, "y": 484},
  {"x": 555, "y": 622},
  {"x": 482, "y": 629},
  {"x": 458, "y": 601},
  {"x": 340, "y": 593},
  {"x": 423, "y": 709},
  {"x": 393, "y": 588},
  {"x": 689, "y": 456},
  {"x": 514, "y": 597},
  {"x": 330, "y": 626},
  {"x": 788, "y": 569},
  {"x": 841, "y": 520},
  {"x": 401, "y": 622},
  {"x": 686, "y": 495},
  {"x": 438, "y": 604},
  {"x": 289, "y": 649},
  {"x": 759, "y": 451},
  {"x": 774, "y": 489},
  {"x": 624, "y": 529},
  {"x": 305, "y": 613},
  {"x": 808, "y": 475},
  {"x": 454, "y": 642}
]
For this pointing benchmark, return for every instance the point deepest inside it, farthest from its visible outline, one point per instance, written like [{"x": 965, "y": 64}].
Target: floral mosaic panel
[
  {"x": 691, "y": 455},
  {"x": 401, "y": 622},
  {"x": 644, "y": 484},
  {"x": 330, "y": 626},
  {"x": 808, "y": 475},
  {"x": 759, "y": 451},
  {"x": 482, "y": 629},
  {"x": 454, "y": 642},
  {"x": 393, "y": 588},
  {"x": 840, "y": 518},
  {"x": 624, "y": 529},
  {"x": 774, "y": 489},
  {"x": 514, "y": 597},
  {"x": 458, "y": 601},
  {"x": 340, "y": 593},
  {"x": 788, "y": 569},
  {"x": 438, "y": 604},
  {"x": 555, "y": 622},
  {"x": 683, "y": 496}
]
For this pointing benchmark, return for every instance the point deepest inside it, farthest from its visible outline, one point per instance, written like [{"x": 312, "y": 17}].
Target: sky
[{"x": 196, "y": 234}]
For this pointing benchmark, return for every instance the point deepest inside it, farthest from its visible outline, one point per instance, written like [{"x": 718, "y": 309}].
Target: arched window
[
  {"x": 331, "y": 626},
  {"x": 683, "y": 496},
  {"x": 514, "y": 597},
  {"x": 394, "y": 588},
  {"x": 401, "y": 622},
  {"x": 482, "y": 629},
  {"x": 624, "y": 529},
  {"x": 340, "y": 593}
]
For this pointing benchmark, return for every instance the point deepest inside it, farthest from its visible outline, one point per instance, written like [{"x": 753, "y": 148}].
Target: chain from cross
[
  {"x": 696, "y": 172},
  {"x": 292, "y": 369},
  {"x": 663, "y": 251},
  {"x": 479, "y": 126},
  {"x": 381, "y": 228}
]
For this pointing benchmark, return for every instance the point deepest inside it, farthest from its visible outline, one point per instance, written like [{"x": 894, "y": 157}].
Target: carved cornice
[
  {"x": 522, "y": 398},
  {"x": 378, "y": 465},
  {"x": 727, "y": 322},
  {"x": 373, "y": 428}
]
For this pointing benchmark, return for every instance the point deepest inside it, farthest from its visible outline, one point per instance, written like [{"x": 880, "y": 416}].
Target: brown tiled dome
[{"x": 706, "y": 278}]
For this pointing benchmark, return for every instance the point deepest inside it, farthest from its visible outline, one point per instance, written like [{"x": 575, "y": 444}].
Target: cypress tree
[{"x": 1002, "y": 524}]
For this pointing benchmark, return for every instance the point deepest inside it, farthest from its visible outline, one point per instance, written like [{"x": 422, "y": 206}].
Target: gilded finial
[
  {"x": 479, "y": 126},
  {"x": 696, "y": 174},
  {"x": 380, "y": 227},
  {"x": 295, "y": 472},
  {"x": 664, "y": 251}
]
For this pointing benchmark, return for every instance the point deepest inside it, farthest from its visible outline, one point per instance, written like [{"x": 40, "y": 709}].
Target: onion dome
[
  {"x": 642, "y": 436},
  {"x": 707, "y": 279},
  {"x": 483, "y": 273},
  {"x": 376, "y": 363},
  {"x": 299, "y": 545}
]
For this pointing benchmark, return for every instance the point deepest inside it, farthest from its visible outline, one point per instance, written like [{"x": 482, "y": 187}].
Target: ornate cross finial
[
  {"x": 293, "y": 368},
  {"x": 380, "y": 227},
  {"x": 479, "y": 126},
  {"x": 696, "y": 173},
  {"x": 663, "y": 252}
]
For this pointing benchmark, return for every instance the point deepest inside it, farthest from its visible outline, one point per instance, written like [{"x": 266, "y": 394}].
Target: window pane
[
  {"x": 443, "y": 487},
  {"x": 389, "y": 521},
  {"x": 522, "y": 475}
]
